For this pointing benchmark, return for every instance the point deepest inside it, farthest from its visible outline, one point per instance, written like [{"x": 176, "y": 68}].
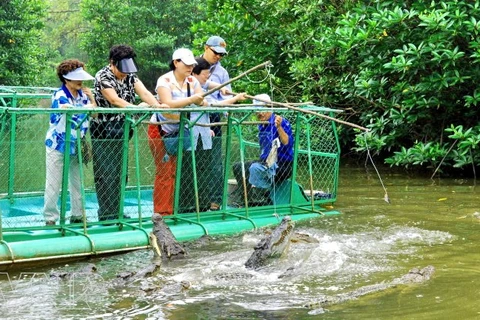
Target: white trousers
[{"x": 53, "y": 185}]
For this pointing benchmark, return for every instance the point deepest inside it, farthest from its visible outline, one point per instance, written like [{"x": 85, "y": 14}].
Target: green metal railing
[{"x": 24, "y": 117}]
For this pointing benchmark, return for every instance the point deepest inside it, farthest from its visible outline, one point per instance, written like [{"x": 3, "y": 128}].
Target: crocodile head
[
  {"x": 273, "y": 245},
  {"x": 417, "y": 275}
]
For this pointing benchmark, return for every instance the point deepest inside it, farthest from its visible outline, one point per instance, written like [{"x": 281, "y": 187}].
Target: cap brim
[
  {"x": 219, "y": 49},
  {"x": 78, "y": 75},
  {"x": 127, "y": 66},
  {"x": 189, "y": 61}
]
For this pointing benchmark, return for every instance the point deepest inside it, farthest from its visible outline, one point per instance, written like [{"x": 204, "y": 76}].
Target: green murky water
[{"x": 427, "y": 223}]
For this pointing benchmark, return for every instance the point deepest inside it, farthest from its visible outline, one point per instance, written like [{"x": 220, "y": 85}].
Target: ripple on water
[{"x": 338, "y": 263}]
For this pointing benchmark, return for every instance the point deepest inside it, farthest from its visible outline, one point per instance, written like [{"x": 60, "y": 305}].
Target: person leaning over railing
[
  {"x": 115, "y": 87},
  {"x": 275, "y": 162},
  {"x": 70, "y": 95},
  {"x": 214, "y": 52},
  {"x": 178, "y": 89},
  {"x": 203, "y": 145}
]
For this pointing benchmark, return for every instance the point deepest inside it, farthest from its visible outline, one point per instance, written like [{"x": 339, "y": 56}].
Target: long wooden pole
[
  {"x": 289, "y": 106},
  {"x": 209, "y": 92}
]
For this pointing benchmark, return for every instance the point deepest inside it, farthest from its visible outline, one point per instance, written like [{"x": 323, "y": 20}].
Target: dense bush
[
  {"x": 407, "y": 70},
  {"x": 153, "y": 28},
  {"x": 20, "y": 32},
  {"x": 413, "y": 74}
]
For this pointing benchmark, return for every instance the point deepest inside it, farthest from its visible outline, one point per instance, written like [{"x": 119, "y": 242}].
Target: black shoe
[
  {"x": 259, "y": 197},
  {"x": 76, "y": 219},
  {"x": 236, "y": 205},
  {"x": 236, "y": 196},
  {"x": 104, "y": 218}
]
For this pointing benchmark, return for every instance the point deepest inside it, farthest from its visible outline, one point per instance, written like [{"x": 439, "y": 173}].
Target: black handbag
[
  {"x": 108, "y": 130},
  {"x": 86, "y": 150}
]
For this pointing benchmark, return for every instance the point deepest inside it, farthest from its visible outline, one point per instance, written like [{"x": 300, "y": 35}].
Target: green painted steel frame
[{"x": 99, "y": 237}]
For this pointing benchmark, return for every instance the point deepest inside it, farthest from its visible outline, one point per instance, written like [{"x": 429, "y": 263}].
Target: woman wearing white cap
[
  {"x": 178, "y": 89},
  {"x": 70, "y": 95}
]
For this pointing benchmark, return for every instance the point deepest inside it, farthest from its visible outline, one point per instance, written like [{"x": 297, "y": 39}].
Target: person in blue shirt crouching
[{"x": 275, "y": 162}]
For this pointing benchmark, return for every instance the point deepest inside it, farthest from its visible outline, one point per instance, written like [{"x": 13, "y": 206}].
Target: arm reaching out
[{"x": 284, "y": 139}]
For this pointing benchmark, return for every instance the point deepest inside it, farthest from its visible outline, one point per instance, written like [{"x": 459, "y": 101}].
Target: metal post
[
  {"x": 310, "y": 169},
  {"x": 298, "y": 128},
  {"x": 228, "y": 154},
  {"x": 137, "y": 173},
  {"x": 66, "y": 166},
  {"x": 11, "y": 161},
  {"x": 178, "y": 169},
  {"x": 123, "y": 182}
]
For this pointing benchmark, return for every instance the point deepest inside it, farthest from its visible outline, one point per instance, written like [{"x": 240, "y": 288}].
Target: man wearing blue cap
[
  {"x": 215, "y": 50},
  {"x": 115, "y": 87}
]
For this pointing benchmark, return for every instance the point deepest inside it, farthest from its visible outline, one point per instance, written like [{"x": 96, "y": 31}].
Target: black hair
[
  {"x": 121, "y": 51},
  {"x": 172, "y": 65},
  {"x": 201, "y": 65}
]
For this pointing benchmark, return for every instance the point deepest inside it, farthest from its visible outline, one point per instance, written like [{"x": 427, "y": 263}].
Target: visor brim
[
  {"x": 78, "y": 75},
  {"x": 127, "y": 66}
]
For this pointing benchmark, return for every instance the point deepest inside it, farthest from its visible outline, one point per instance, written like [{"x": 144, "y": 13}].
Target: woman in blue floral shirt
[{"x": 70, "y": 95}]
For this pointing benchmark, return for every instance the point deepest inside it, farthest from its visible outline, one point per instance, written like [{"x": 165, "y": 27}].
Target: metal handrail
[{"x": 136, "y": 116}]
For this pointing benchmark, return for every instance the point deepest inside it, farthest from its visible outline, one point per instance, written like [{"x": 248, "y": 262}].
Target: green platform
[
  {"x": 24, "y": 237},
  {"x": 29, "y": 244}
]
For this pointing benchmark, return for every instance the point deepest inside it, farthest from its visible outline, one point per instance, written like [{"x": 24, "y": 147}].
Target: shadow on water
[{"x": 427, "y": 223}]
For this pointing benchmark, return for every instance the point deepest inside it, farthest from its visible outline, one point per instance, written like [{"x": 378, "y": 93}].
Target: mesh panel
[
  {"x": 132, "y": 175},
  {"x": 315, "y": 173}
]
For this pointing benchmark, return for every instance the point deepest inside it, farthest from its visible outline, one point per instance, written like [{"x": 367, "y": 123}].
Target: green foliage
[
  {"x": 256, "y": 31},
  {"x": 406, "y": 70},
  {"x": 20, "y": 30},
  {"x": 61, "y": 38},
  {"x": 421, "y": 154},
  {"x": 466, "y": 151},
  {"x": 153, "y": 28},
  {"x": 412, "y": 71}
]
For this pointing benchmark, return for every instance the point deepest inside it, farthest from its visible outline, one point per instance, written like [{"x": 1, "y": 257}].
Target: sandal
[{"x": 214, "y": 206}]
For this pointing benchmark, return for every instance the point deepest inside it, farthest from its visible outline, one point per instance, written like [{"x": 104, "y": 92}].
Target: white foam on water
[
  {"x": 334, "y": 264},
  {"x": 338, "y": 262}
]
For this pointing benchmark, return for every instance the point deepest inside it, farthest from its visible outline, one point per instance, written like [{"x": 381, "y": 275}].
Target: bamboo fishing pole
[
  {"x": 209, "y": 92},
  {"x": 289, "y": 106}
]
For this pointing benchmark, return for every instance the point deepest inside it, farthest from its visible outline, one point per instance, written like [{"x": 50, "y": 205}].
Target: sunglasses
[{"x": 217, "y": 53}]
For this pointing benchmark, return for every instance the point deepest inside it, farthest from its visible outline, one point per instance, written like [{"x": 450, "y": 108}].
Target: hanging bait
[{"x": 386, "y": 198}]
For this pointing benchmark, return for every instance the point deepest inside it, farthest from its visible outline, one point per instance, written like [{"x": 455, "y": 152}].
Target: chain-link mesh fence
[{"x": 134, "y": 173}]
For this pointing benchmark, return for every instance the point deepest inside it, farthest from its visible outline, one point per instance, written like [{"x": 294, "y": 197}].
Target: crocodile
[
  {"x": 167, "y": 289},
  {"x": 146, "y": 272},
  {"x": 299, "y": 237},
  {"x": 87, "y": 269},
  {"x": 414, "y": 276},
  {"x": 163, "y": 241},
  {"x": 273, "y": 245}
]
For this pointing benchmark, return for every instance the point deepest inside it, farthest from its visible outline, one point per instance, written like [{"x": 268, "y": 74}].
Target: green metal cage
[{"x": 310, "y": 192}]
